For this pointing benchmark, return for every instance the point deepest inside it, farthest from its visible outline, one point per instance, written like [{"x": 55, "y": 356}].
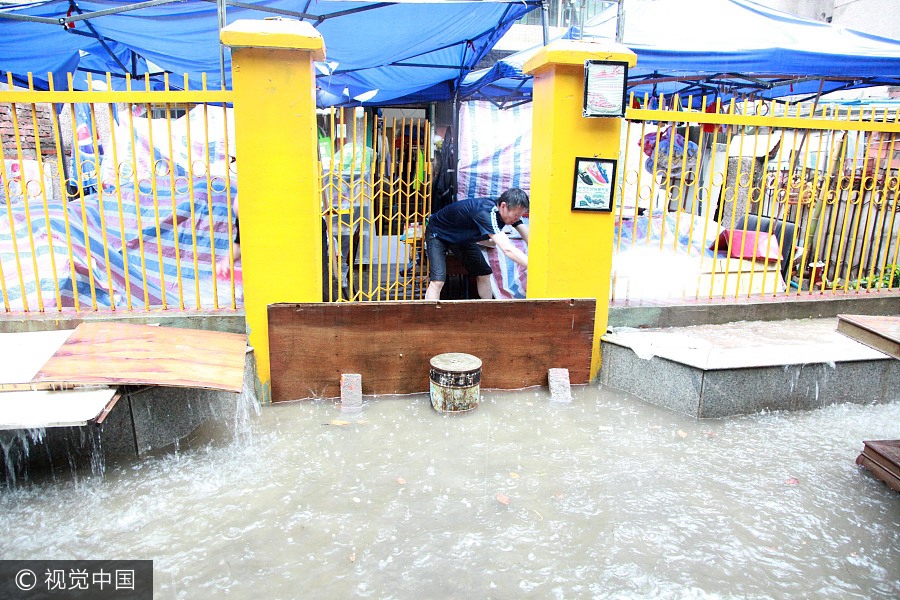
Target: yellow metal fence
[
  {"x": 125, "y": 200},
  {"x": 756, "y": 199},
  {"x": 116, "y": 200},
  {"x": 376, "y": 195}
]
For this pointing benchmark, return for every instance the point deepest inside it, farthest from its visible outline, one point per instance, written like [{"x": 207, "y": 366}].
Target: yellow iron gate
[{"x": 376, "y": 195}]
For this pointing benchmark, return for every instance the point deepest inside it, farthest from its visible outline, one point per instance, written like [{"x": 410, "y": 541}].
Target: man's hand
[
  {"x": 223, "y": 268},
  {"x": 223, "y": 265}
]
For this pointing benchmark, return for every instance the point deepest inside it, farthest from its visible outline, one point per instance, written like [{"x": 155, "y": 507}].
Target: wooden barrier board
[
  {"x": 111, "y": 353},
  {"x": 391, "y": 343},
  {"x": 879, "y": 332}
]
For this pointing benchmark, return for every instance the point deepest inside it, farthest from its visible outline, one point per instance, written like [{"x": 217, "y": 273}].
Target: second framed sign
[{"x": 595, "y": 180}]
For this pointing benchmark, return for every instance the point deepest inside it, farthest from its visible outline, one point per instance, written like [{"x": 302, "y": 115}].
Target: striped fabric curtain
[{"x": 494, "y": 149}]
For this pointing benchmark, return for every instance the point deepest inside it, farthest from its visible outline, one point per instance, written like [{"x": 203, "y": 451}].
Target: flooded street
[{"x": 606, "y": 497}]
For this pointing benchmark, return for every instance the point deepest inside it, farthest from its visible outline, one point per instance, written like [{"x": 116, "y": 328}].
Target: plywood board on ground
[
  {"x": 62, "y": 408},
  {"x": 391, "y": 343},
  {"x": 23, "y": 354},
  {"x": 123, "y": 353},
  {"x": 746, "y": 344},
  {"x": 879, "y": 332}
]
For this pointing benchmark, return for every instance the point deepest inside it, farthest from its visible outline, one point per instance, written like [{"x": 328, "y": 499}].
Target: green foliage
[{"x": 889, "y": 278}]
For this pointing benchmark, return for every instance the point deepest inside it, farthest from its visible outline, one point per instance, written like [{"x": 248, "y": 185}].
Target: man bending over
[{"x": 458, "y": 226}]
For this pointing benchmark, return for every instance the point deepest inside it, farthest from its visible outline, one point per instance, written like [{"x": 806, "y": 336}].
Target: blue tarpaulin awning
[
  {"x": 382, "y": 52},
  {"x": 718, "y": 47}
]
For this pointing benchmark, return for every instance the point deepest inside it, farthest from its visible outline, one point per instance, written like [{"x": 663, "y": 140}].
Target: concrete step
[{"x": 710, "y": 371}]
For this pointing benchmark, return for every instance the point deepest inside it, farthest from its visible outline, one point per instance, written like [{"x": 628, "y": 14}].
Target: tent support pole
[
  {"x": 100, "y": 39},
  {"x": 113, "y": 11},
  {"x": 454, "y": 149},
  {"x": 620, "y": 21},
  {"x": 581, "y": 20},
  {"x": 29, "y": 18},
  {"x": 220, "y": 10},
  {"x": 545, "y": 15}
]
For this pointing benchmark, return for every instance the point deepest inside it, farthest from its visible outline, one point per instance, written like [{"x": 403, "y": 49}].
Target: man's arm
[
  {"x": 522, "y": 228},
  {"x": 508, "y": 249}
]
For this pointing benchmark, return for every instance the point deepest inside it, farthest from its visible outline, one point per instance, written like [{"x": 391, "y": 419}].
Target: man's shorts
[{"x": 469, "y": 255}]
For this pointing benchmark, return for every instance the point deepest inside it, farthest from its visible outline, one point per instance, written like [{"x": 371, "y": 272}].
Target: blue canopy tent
[
  {"x": 378, "y": 53},
  {"x": 718, "y": 47}
]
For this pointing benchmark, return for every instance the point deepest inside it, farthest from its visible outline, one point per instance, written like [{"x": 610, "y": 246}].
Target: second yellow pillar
[{"x": 570, "y": 252}]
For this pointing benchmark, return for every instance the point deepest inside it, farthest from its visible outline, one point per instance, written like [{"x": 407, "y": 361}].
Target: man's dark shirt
[{"x": 467, "y": 221}]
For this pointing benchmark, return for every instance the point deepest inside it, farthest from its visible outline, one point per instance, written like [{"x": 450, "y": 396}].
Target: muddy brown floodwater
[{"x": 606, "y": 497}]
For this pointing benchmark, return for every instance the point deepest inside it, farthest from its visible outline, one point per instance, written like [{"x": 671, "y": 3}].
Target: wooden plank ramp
[
  {"x": 882, "y": 458},
  {"x": 67, "y": 378},
  {"x": 391, "y": 343},
  {"x": 879, "y": 332},
  {"x": 111, "y": 353}
]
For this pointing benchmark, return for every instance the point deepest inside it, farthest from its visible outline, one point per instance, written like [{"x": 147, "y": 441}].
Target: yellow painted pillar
[
  {"x": 278, "y": 189},
  {"x": 569, "y": 252}
]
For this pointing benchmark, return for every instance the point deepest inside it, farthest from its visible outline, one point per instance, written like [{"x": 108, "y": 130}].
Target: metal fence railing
[
  {"x": 125, "y": 200},
  {"x": 116, "y": 200},
  {"x": 756, "y": 198}
]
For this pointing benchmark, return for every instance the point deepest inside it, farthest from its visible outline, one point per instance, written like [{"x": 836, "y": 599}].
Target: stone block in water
[
  {"x": 351, "y": 391},
  {"x": 560, "y": 388}
]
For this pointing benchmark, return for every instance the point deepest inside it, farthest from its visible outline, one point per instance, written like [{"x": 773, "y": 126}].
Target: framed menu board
[{"x": 604, "y": 88}]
